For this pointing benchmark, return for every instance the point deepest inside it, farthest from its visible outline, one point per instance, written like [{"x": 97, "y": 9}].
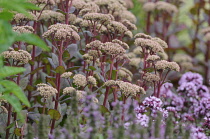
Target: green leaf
[
  {"x": 5, "y": 15},
  {"x": 16, "y": 90},
  {"x": 60, "y": 69},
  {"x": 32, "y": 39},
  {"x": 92, "y": 68},
  {"x": 54, "y": 114},
  {"x": 17, "y": 131},
  {"x": 7, "y": 35},
  {"x": 73, "y": 68},
  {"x": 104, "y": 109},
  {"x": 15, "y": 104},
  {"x": 9, "y": 71}
]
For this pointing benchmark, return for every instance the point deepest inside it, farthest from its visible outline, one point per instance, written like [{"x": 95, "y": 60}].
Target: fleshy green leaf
[
  {"x": 9, "y": 71},
  {"x": 16, "y": 90},
  {"x": 32, "y": 39},
  {"x": 54, "y": 114}
]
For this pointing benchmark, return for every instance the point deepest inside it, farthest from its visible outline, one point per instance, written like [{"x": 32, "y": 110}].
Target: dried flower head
[
  {"x": 87, "y": 57},
  {"x": 110, "y": 83},
  {"x": 80, "y": 80},
  {"x": 92, "y": 6},
  {"x": 46, "y": 91},
  {"x": 21, "y": 17},
  {"x": 112, "y": 49},
  {"x": 51, "y": 2},
  {"x": 137, "y": 50},
  {"x": 129, "y": 25},
  {"x": 66, "y": 75},
  {"x": 78, "y": 4},
  {"x": 151, "y": 45},
  {"x": 151, "y": 78},
  {"x": 123, "y": 44},
  {"x": 21, "y": 56},
  {"x": 94, "y": 45},
  {"x": 80, "y": 94},
  {"x": 98, "y": 17},
  {"x": 166, "y": 7},
  {"x": 149, "y": 6},
  {"x": 62, "y": 31},
  {"x": 95, "y": 53},
  {"x": 117, "y": 27},
  {"x": 128, "y": 34},
  {"x": 161, "y": 42},
  {"x": 165, "y": 65},
  {"x": 69, "y": 90},
  {"x": 153, "y": 58},
  {"x": 135, "y": 62},
  {"x": 23, "y": 29},
  {"x": 91, "y": 80},
  {"x": 128, "y": 16},
  {"x": 130, "y": 55},
  {"x": 182, "y": 58},
  {"x": 129, "y": 89},
  {"x": 142, "y": 35}
]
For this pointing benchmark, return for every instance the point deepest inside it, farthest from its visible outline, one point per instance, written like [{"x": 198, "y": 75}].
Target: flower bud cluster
[
  {"x": 66, "y": 75},
  {"x": 62, "y": 31},
  {"x": 20, "y": 55},
  {"x": 165, "y": 65},
  {"x": 91, "y": 80},
  {"x": 46, "y": 91},
  {"x": 151, "y": 78},
  {"x": 23, "y": 29},
  {"x": 79, "y": 80}
]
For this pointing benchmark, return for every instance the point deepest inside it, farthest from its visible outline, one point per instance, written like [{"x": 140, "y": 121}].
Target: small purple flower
[
  {"x": 142, "y": 119},
  {"x": 194, "y": 78},
  {"x": 189, "y": 88},
  {"x": 152, "y": 102}
]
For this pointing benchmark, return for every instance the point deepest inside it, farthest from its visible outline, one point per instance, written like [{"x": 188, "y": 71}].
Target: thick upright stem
[{"x": 8, "y": 120}]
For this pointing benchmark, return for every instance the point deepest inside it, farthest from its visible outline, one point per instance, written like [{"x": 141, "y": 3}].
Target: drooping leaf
[
  {"x": 32, "y": 39},
  {"x": 60, "y": 69},
  {"x": 16, "y": 90},
  {"x": 104, "y": 109},
  {"x": 54, "y": 114},
  {"x": 9, "y": 71}
]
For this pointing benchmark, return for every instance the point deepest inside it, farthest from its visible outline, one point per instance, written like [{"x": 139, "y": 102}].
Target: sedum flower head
[
  {"x": 166, "y": 7},
  {"x": 94, "y": 45},
  {"x": 129, "y": 34},
  {"x": 149, "y": 6},
  {"x": 149, "y": 44},
  {"x": 142, "y": 35},
  {"x": 79, "y": 80},
  {"x": 135, "y": 62},
  {"x": 153, "y": 58},
  {"x": 112, "y": 49},
  {"x": 99, "y": 17},
  {"x": 46, "y": 91},
  {"x": 123, "y": 44},
  {"x": 128, "y": 16},
  {"x": 78, "y": 4},
  {"x": 165, "y": 65},
  {"x": 110, "y": 83},
  {"x": 94, "y": 53},
  {"x": 137, "y": 50},
  {"x": 91, "y": 80},
  {"x": 21, "y": 17},
  {"x": 117, "y": 27},
  {"x": 69, "y": 90},
  {"x": 20, "y": 55},
  {"x": 62, "y": 31},
  {"x": 52, "y": 2},
  {"x": 66, "y": 75},
  {"x": 129, "y": 89},
  {"x": 149, "y": 77},
  {"x": 161, "y": 42},
  {"x": 23, "y": 29},
  {"x": 129, "y": 25}
]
